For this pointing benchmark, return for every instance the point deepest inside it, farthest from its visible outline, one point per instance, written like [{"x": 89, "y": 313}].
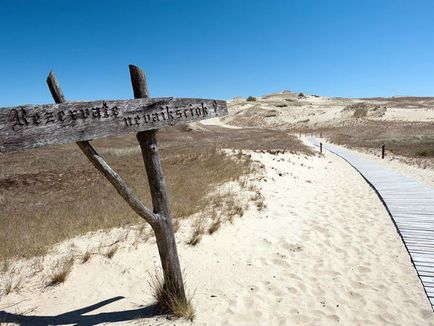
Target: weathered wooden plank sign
[{"x": 31, "y": 126}]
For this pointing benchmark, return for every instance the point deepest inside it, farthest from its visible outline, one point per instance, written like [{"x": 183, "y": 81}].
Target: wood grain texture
[
  {"x": 163, "y": 228},
  {"x": 30, "y": 126}
]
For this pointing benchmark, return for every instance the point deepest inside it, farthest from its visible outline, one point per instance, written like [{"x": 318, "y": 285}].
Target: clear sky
[{"x": 216, "y": 49}]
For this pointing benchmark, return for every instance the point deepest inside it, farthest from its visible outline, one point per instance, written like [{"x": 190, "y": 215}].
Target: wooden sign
[{"x": 32, "y": 126}]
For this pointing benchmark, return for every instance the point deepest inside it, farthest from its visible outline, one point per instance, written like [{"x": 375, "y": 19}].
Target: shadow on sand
[{"x": 76, "y": 317}]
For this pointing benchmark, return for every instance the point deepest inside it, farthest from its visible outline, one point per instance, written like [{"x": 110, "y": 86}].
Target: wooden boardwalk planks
[{"x": 411, "y": 206}]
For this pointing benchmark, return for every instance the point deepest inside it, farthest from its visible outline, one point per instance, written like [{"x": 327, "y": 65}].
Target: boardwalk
[{"x": 411, "y": 206}]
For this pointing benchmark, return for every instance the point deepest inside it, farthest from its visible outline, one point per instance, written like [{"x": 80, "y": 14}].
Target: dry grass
[
  {"x": 413, "y": 140},
  {"x": 60, "y": 271},
  {"x": 216, "y": 222},
  {"x": 176, "y": 225},
  {"x": 111, "y": 252},
  {"x": 169, "y": 303},
  {"x": 51, "y": 194},
  {"x": 198, "y": 230},
  {"x": 86, "y": 257},
  {"x": 12, "y": 282}
]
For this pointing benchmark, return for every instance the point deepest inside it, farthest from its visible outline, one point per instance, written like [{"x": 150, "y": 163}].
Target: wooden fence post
[
  {"x": 320, "y": 147},
  {"x": 383, "y": 150},
  {"x": 163, "y": 228}
]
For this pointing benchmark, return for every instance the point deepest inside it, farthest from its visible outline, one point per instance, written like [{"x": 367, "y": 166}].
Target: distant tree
[{"x": 251, "y": 99}]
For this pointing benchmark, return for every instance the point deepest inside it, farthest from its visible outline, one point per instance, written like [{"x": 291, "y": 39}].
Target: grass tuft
[
  {"x": 12, "y": 284},
  {"x": 196, "y": 236},
  {"x": 86, "y": 257},
  {"x": 111, "y": 252},
  {"x": 215, "y": 225},
  {"x": 60, "y": 271},
  {"x": 170, "y": 303}
]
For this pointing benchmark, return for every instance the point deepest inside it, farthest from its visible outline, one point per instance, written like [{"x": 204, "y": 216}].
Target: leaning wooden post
[
  {"x": 383, "y": 150},
  {"x": 163, "y": 228}
]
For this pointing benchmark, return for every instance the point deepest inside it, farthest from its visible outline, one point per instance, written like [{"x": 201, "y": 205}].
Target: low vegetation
[
  {"x": 363, "y": 110},
  {"x": 360, "y": 113},
  {"x": 12, "y": 283},
  {"x": 408, "y": 139},
  {"x": 60, "y": 271},
  {"x": 86, "y": 257},
  {"x": 51, "y": 194},
  {"x": 169, "y": 303},
  {"x": 251, "y": 99},
  {"x": 111, "y": 252}
]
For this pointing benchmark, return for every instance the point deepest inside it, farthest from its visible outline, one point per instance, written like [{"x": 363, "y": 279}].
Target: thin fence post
[
  {"x": 320, "y": 147},
  {"x": 383, "y": 150}
]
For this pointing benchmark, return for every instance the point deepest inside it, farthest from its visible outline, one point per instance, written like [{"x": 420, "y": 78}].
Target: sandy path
[{"x": 323, "y": 252}]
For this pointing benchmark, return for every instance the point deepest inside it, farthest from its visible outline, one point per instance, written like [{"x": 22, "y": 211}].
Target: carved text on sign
[
  {"x": 21, "y": 118},
  {"x": 29, "y": 126},
  {"x": 167, "y": 114}
]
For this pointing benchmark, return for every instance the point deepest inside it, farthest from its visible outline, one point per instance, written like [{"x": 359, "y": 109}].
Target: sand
[
  {"x": 287, "y": 110},
  {"x": 323, "y": 252}
]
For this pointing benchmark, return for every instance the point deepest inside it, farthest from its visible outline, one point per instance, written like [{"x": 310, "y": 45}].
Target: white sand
[
  {"x": 287, "y": 110},
  {"x": 323, "y": 252}
]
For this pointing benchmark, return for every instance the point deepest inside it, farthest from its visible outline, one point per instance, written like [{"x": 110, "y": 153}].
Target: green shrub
[{"x": 251, "y": 99}]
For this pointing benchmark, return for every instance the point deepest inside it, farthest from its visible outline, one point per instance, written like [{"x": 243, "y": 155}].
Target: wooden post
[
  {"x": 163, "y": 228},
  {"x": 159, "y": 219},
  {"x": 320, "y": 147},
  {"x": 383, "y": 150}
]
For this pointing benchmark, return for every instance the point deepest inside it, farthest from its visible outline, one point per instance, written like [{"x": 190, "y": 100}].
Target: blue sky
[{"x": 216, "y": 49}]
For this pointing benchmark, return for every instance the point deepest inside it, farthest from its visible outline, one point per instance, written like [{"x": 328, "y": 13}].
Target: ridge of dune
[{"x": 300, "y": 111}]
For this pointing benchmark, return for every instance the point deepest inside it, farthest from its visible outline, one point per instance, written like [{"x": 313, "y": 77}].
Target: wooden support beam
[{"x": 163, "y": 228}]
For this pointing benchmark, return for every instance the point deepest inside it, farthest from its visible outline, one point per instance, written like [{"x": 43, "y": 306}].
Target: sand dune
[
  {"x": 323, "y": 252},
  {"x": 291, "y": 110}
]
